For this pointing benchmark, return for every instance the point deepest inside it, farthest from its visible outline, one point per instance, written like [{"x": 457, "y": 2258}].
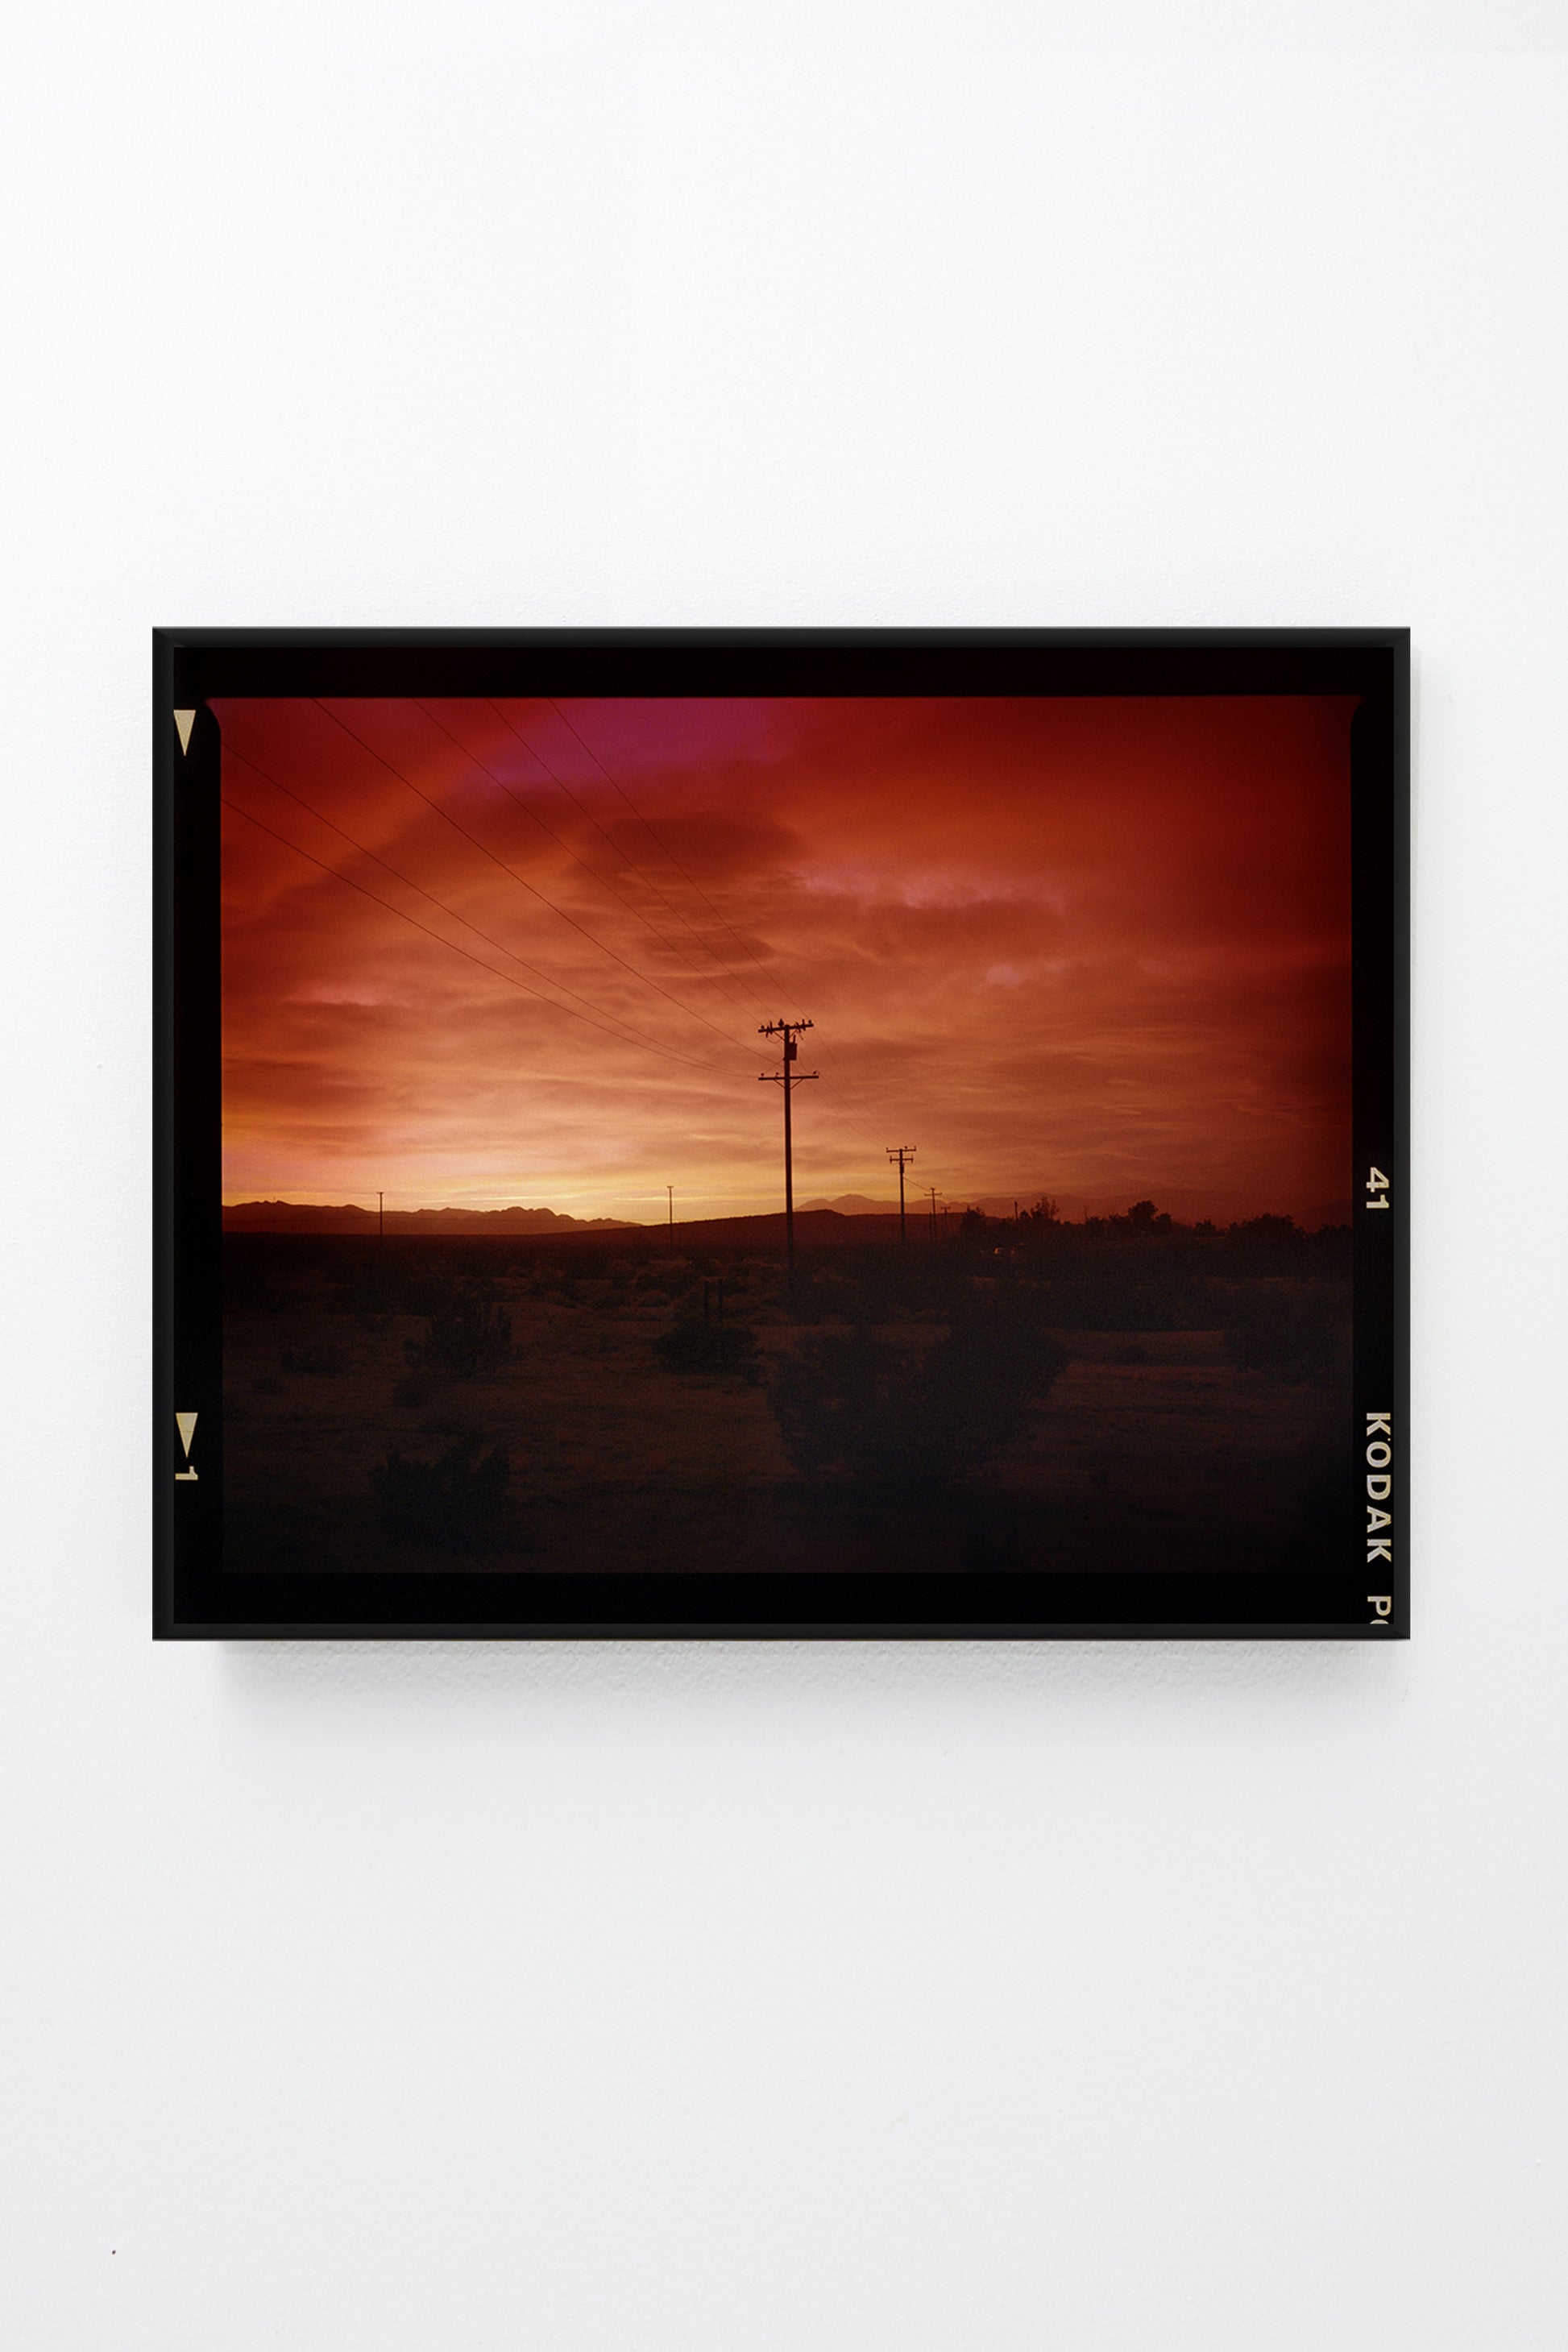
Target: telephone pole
[
  {"x": 789, "y": 1077},
  {"x": 931, "y": 1195},
  {"x": 901, "y": 1153},
  {"x": 670, "y": 1189},
  {"x": 380, "y": 1216}
]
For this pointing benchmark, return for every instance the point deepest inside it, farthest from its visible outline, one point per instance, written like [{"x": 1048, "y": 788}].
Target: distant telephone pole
[
  {"x": 930, "y": 1194},
  {"x": 789, "y": 1077},
  {"x": 380, "y": 1216},
  {"x": 900, "y": 1152},
  {"x": 670, "y": 1189}
]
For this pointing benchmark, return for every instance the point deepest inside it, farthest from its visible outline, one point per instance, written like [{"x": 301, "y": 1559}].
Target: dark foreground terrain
[{"x": 1016, "y": 1395}]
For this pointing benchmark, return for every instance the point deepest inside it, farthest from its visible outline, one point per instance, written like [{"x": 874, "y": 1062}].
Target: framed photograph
[{"x": 779, "y": 1132}]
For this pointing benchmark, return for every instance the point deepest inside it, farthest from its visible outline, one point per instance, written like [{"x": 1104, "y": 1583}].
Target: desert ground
[{"x": 572, "y": 1444}]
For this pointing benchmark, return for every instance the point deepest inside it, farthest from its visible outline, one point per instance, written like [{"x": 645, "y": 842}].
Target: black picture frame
[{"x": 1347, "y": 1597}]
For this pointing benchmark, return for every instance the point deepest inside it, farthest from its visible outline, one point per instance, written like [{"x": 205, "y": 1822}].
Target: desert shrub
[
  {"x": 1282, "y": 1338},
  {"x": 876, "y": 1412},
  {"x": 467, "y": 1340},
  {"x": 312, "y": 1359},
  {"x": 708, "y": 1347},
  {"x": 454, "y": 1502}
]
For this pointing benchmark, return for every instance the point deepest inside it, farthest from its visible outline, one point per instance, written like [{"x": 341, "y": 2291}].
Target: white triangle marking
[
  {"x": 184, "y": 720},
  {"x": 186, "y": 1424}
]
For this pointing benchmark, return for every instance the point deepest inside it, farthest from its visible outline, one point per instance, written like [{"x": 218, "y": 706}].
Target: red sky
[{"x": 1090, "y": 947}]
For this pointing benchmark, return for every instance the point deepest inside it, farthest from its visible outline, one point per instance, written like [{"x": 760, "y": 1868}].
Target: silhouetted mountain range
[
  {"x": 846, "y": 1211},
  {"x": 856, "y": 1204},
  {"x": 313, "y": 1217}
]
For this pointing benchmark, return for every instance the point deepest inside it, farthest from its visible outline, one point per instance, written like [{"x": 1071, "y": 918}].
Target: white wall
[{"x": 681, "y": 1999}]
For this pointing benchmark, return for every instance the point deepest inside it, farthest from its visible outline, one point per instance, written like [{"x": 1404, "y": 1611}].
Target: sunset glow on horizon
[{"x": 483, "y": 953}]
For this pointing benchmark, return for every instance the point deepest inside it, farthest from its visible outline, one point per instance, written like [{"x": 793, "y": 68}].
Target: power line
[
  {"x": 623, "y": 1032},
  {"x": 550, "y": 833},
  {"x": 671, "y": 1053},
  {"x": 692, "y": 884},
  {"x": 835, "y": 1085},
  {"x": 661, "y": 844},
  {"x": 631, "y": 865},
  {"x": 394, "y": 770},
  {"x": 853, "y": 1094},
  {"x": 409, "y": 882},
  {"x": 521, "y": 879},
  {"x": 657, "y": 840},
  {"x": 626, "y": 1031},
  {"x": 620, "y": 1036}
]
